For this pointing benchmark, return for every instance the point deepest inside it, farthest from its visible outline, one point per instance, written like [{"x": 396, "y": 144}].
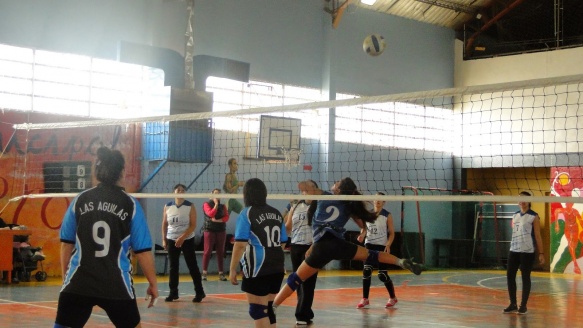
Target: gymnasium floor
[{"x": 434, "y": 299}]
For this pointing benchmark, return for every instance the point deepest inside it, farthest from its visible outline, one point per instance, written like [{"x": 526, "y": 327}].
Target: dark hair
[
  {"x": 355, "y": 208},
  {"x": 109, "y": 165},
  {"x": 526, "y": 193},
  {"x": 314, "y": 182},
  {"x": 254, "y": 192},
  {"x": 217, "y": 189},
  {"x": 231, "y": 160},
  {"x": 179, "y": 185}
]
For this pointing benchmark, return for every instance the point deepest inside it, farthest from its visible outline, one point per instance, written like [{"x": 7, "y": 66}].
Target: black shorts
[
  {"x": 329, "y": 248},
  {"x": 264, "y": 285},
  {"x": 74, "y": 310}
]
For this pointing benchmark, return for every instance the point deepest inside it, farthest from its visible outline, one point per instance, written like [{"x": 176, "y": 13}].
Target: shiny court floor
[{"x": 434, "y": 299}]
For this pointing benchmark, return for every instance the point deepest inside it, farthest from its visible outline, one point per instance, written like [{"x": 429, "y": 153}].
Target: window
[
  {"x": 50, "y": 82},
  {"x": 400, "y": 125}
]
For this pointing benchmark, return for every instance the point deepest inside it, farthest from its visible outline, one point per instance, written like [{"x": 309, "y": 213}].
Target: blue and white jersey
[
  {"x": 523, "y": 232},
  {"x": 264, "y": 230},
  {"x": 178, "y": 218},
  {"x": 104, "y": 224},
  {"x": 377, "y": 232},
  {"x": 301, "y": 232},
  {"x": 330, "y": 216}
]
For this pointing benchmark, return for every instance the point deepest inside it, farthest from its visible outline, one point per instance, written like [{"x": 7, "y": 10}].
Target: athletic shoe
[
  {"x": 363, "y": 304},
  {"x": 391, "y": 302},
  {"x": 171, "y": 297},
  {"x": 412, "y": 266},
  {"x": 522, "y": 310},
  {"x": 222, "y": 277},
  {"x": 203, "y": 277},
  {"x": 198, "y": 297},
  {"x": 511, "y": 309},
  {"x": 303, "y": 323}
]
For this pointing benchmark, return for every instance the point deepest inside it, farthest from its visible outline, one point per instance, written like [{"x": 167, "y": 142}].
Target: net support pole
[
  {"x": 152, "y": 175},
  {"x": 198, "y": 176},
  {"x": 420, "y": 229},
  {"x": 497, "y": 237}
]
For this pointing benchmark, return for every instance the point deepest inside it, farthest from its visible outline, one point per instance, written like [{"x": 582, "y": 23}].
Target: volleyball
[{"x": 374, "y": 44}]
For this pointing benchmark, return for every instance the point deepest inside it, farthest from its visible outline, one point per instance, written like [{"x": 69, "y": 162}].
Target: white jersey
[
  {"x": 377, "y": 232},
  {"x": 178, "y": 218},
  {"x": 301, "y": 233},
  {"x": 522, "y": 232}
]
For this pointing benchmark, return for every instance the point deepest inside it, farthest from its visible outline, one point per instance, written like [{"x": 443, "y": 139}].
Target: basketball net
[{"x": 292, "y": 157}]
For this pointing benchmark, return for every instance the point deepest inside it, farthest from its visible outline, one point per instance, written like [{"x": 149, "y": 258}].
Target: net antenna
[{"x": 292, "y": 157}]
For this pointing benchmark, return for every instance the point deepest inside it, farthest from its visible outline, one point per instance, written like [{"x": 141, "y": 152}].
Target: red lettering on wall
[
  {"x": 4, "y": 187},
  {"x": 44, "y": 216}
]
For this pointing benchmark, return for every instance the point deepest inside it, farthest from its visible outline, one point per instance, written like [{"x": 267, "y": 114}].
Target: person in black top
[
  {"x": 260, "y": 237},
  {"x": 101, "y": 228}
]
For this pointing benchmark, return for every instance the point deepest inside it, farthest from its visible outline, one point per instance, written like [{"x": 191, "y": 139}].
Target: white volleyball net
[{"x": 464, "y": 146}]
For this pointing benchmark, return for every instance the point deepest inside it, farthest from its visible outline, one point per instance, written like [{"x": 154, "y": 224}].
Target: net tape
[{"x": 498, "y": 87}]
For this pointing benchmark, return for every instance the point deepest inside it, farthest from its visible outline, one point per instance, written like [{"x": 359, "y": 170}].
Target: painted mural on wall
[
  {"x": 566, "y": 221},
  {"x": 56, "y": 160}
]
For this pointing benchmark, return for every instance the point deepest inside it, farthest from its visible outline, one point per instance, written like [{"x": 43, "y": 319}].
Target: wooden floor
[{"x": 434, "y": 299}]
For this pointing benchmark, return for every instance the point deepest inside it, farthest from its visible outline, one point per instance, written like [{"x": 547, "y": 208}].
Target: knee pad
[
  {"x": 383, "y": 276},
  {"x": 373, "y": 257},
  {"x": 258, "y": 311},
  {"x": 367, "y": 271},
  {"x": 271, "y": 313},
  {"x": 293, "y": 281}
]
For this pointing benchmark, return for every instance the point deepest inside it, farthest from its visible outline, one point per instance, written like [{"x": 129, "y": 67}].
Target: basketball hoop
[{"x": 292, "y": 157}]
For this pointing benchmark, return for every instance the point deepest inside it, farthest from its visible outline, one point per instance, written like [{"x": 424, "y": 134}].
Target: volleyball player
[
  {"x": 299, "y": 228},
  {"x": 329, "y": 219},
  {"x": 526, "y": 238},
  {"x": 100, "y": 230},
  {"x": 259, "y": 240},
  {"x": 378, "y": 236}
]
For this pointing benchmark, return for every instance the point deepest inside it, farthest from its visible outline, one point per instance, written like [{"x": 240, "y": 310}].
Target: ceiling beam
[
  {"x": 451, "y": 6},
  {"x": 336, "y": 10}
]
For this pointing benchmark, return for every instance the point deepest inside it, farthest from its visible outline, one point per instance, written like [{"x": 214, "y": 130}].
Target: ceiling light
[{"x": 368, "y": 2}]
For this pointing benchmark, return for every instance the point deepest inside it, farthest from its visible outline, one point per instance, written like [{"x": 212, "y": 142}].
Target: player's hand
[
  {"x": 541, "y": 259},
  {"x": 360, "y": 238},
  {"x": 233, "y": 277},
  {"x": 152, "y": 295}
]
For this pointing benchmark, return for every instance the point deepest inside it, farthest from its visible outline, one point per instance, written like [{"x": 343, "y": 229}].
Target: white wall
[
  {"x": 290, "y": 42},
  {"x": 517, "y": 67}
]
